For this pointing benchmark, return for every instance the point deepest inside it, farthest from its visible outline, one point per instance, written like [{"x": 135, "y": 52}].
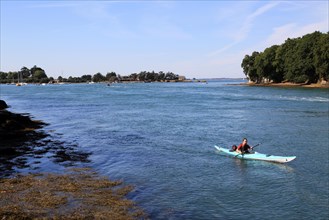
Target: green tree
[
  {"x": 300, "y": 60},
  {"x": 249, "y": 68},
  {"x": 111, "y": 77},
  {"x": 12, "y": 77},
  {"x": 3, "y": 77},
  {"x": 270, "y": 65},
  {"x": 162, "y": 76},
  {"x": 321, "y": 57},
  {"x": 142, "y": 76},
  {"x": 305, "y": 53},
  {"x": 39, "y": 74},
  {"x": 260, "y": 67},
  {"x": 26, "y": 73},
  {"x": 86, "y": 78},
  {"x": 171, "y": 76},
  {"x": 98, "y": 77},
  {"x": 60, "y": 79}
]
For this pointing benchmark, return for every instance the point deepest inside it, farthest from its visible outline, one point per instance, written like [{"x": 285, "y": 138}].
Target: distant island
[
  {"x": 298, "y": 61},
  {"x": 38, "y": 75}
]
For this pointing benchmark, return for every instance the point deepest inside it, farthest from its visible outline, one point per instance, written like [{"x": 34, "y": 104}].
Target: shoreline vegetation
[
  {"x": 37, "y": 75},
  {"x": 78, "y": 193},
  {"x": 301, "y": 61}
]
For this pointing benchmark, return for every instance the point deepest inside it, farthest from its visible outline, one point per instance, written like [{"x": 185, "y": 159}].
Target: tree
[
  {"x": 162, "y": 76},
  {"x": 171, "y": 76},
  {"x": 86, "y": 78},
  {"x": 321, "y": 57},
  {"x": 270, "y": 66},
  {"x": 3, "y": 77},
  {"x": 111, "y": 77},
  {"x": 12, "y": 76},
  {"x": 249, "y": 68},
  {"x": 300, "y": 60},
  {"x": 39, "y": 74},
  {"x": 98, "y": 77},
  {"x": 305, "y": 54},
  {"x": 26, "y": 73}
]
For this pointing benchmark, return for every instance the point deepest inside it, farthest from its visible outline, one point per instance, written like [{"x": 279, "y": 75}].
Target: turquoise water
[{"x": 159, "y": 137}]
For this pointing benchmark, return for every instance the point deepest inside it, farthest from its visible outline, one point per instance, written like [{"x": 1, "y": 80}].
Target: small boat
[{"x": 256, "y": 156}]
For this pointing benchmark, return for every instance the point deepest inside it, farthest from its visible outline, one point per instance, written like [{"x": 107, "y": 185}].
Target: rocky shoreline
[
  {"x": 78, "y": 193},
  {"x": 13, "y": 125}
]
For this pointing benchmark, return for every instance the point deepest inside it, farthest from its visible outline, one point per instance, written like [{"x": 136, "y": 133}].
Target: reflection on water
[
  {"x": 243, "y": 164},
  {"x": 27, "y": 148}
]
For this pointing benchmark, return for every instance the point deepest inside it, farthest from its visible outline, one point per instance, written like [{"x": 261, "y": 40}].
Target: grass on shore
[{"x": 79, "y": 194}]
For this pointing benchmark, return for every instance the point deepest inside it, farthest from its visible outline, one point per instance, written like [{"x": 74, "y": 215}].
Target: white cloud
[
  {"x": 164, "y": 29},
  {"x": 248, "y": 23},
  {"x": 54, "y": 5},
  {"x": 280, "y": 34},
  {"x": 225, "y": 48},
  {"x": 292, "y": 30},
  {"x": 246, "y": 27}
]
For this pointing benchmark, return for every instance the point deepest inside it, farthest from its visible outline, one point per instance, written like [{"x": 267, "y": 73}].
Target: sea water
[{"x": 160, "y": 137}]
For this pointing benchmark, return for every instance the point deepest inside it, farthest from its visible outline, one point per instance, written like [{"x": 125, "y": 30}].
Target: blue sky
[{"x": 198, "y": 39}]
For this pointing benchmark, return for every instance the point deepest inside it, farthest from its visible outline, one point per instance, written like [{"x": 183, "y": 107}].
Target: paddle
[{"x": 256, "y": 146}]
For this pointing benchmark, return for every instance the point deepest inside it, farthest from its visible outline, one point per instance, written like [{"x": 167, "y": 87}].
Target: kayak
[{"x": 256, "y": 156}]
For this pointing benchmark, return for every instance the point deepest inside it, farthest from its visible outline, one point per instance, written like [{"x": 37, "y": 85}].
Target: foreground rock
[
  {"x": 18, "y": 132},
  {"x": 3, "y": 105},
  {"x": 14, "y": 125}
]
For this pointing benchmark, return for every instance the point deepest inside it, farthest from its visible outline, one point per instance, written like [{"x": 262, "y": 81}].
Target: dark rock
[
  {"x": 12, "y": 124},
  {"x": 3, "y": 105}
]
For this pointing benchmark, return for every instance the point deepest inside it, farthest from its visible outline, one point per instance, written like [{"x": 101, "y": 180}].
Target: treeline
[
  {"x": 143, "y": 76},
  {"x": 299, "y": 60},
  {"x": 33, "y": 75},
  {"x": 38, "y": 75}
]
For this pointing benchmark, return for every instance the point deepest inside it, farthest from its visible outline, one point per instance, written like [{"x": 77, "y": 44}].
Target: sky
[{"x": 196, "y": 39}]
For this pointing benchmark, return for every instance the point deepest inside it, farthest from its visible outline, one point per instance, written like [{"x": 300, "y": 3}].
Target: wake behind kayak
[{"x": 256, "y": 156}]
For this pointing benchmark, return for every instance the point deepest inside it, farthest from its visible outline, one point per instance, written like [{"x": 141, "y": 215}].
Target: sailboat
[{"x": 20, "y": 79}]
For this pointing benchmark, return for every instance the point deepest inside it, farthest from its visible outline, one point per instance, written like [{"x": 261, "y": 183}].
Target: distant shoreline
[{"x": 288, "y": 84}]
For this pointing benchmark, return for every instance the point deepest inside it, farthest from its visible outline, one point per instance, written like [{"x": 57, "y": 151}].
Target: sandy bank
[{"x": 288, "y": 84}]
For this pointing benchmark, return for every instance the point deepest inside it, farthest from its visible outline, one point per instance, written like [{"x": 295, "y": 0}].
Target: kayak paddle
[{"x": 256, "y": 145}]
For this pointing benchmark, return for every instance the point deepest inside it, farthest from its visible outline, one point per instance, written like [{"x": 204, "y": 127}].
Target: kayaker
[{"x": 244, "y": 148}]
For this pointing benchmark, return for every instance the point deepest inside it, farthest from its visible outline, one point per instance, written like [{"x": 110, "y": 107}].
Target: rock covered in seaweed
[{"x": 13, "y": 125}]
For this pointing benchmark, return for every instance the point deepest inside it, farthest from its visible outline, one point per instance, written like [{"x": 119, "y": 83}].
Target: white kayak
[{"x": 256, "y": 156}]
